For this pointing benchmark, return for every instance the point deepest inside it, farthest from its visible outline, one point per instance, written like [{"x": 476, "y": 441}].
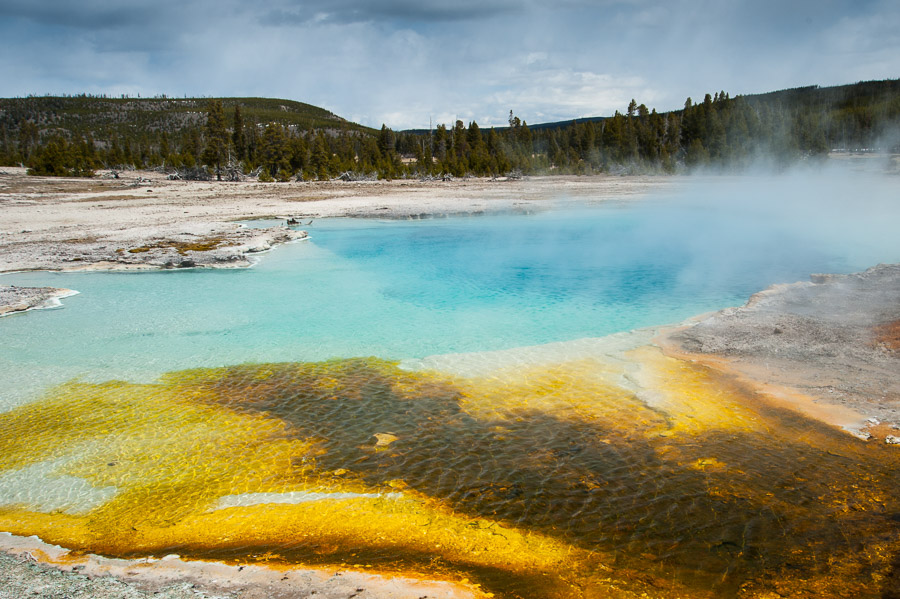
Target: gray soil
[
  {"x": 21, "y": 577},
  {"x": 94, "y": 577},
  {"x": 822, "y": 338}
]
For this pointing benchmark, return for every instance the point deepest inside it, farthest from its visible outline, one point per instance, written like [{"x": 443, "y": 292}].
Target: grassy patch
[{"x": 182, "y": 247}]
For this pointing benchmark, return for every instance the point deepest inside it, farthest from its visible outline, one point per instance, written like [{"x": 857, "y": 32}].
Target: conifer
[{"x": 215, "y": 153}]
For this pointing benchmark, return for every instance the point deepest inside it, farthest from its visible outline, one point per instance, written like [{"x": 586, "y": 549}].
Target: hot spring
[{"x": 458, "y": 398}]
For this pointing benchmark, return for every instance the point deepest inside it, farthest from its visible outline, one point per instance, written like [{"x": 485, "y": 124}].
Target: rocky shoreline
[
  {"x": 832, "y": 341},
  {"x": 148, "y": 221},
  {"x": 29, "y": 566},
  {"x": 224, "y": 247},
  {"x": 208, "y": 246}
]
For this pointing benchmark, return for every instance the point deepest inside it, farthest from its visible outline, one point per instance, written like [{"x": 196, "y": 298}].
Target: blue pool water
[{"x": 406, "y": 289}]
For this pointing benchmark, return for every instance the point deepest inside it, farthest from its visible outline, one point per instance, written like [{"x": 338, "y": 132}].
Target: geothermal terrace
[{"x": 828, "y": 348}]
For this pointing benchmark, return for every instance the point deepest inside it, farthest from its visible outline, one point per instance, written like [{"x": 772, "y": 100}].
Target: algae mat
[{"x": 555, "y": 481}]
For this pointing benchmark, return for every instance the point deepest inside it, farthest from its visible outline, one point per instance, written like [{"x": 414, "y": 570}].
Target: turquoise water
[{"x": 407, "y": 289}]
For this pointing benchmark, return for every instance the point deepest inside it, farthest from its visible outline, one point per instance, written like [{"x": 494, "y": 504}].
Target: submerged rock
[{"x": 384, "y": 439}]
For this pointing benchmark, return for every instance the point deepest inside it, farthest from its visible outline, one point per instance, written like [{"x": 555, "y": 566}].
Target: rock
[
  {"x": 892, "y": 440},
  {"x": 819, "y": 278},
  {"x": 385, "y": 439}
]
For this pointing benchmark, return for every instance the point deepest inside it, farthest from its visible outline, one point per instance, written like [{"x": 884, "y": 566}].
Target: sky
[{"x": 407, "y": 62}]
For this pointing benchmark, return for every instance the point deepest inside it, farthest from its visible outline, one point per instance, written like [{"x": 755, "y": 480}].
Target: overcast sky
[{"x": 400, "y": 62}]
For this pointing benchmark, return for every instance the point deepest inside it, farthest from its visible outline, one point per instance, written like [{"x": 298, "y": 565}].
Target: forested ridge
[{"x": 283, "y": 139}]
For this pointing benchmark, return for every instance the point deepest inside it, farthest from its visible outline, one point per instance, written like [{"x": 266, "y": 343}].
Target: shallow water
[
  {"x": 550, "y": 482},
  {"x": 229, "y": 414}
]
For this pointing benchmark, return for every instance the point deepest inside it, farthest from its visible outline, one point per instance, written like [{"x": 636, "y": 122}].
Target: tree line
[{"x": 718, "y": 131}]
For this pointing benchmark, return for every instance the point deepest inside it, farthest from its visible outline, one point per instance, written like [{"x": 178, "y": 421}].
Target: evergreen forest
[{"x": 283, "y": 140}]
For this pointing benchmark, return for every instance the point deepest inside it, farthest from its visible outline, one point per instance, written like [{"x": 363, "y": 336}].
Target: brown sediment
[
  {"x": 167, "y": 485},
  {"x": 887, "y": 336},
  {"x": 16, "y": 182},
  {"x": 183, "y": 247}
]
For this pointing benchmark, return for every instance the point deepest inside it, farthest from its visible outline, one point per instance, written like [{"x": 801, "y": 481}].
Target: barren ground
[{"x": 830, "y": 346}]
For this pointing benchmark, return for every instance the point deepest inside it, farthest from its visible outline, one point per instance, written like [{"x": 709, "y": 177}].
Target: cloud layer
[{"x": 402, "y": 62}]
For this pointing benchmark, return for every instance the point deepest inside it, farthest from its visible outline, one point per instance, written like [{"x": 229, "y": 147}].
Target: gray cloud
[
  {"x": 87, "y": 14},
  {"x": 403, "y": 61},
  {"x": 391, "y": 11}
]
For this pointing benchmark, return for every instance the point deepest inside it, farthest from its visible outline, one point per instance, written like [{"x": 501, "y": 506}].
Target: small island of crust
[{"x": 20, "y": 299}]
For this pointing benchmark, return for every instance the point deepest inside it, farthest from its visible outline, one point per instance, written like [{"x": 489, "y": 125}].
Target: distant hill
[
  {"x": 879, "y": 95},
  {"x": 101, "y": 117},
  {"x": 74, "y": 135}
]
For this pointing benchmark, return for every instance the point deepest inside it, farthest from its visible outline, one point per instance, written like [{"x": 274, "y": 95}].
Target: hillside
[
  {"x": 283, "y": 139},
  {"x": 73, "y": 135},
  {"x": 878, "y": 95},
  {"x": 101, "y": 117}
]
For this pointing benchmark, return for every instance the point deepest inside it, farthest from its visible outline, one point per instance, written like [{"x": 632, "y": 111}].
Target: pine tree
[
  {"x": 273, "y": 149},
  {"x": 386, "y": 140},
  {"x": 238, "y": 139},
  {"x": 460, "y": 146},
  {"x": 52, "y": 159},
  {"x": 216, "y": 151},
  {"x": 319, "y": 161},
  {"x": 440, "y": 142},
  {"x": 29, "y": 139},
  {"x": 7, "y": 153},
  {"x": 164, "y": 148}
]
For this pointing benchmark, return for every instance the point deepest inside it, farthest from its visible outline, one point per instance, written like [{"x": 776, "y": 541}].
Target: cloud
[
  {"x": 401, "y": 61},
  {"x": 403, "y": 12},
  {"x": 87, "y": 14},
  {"x": 552, "y": 94}
]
